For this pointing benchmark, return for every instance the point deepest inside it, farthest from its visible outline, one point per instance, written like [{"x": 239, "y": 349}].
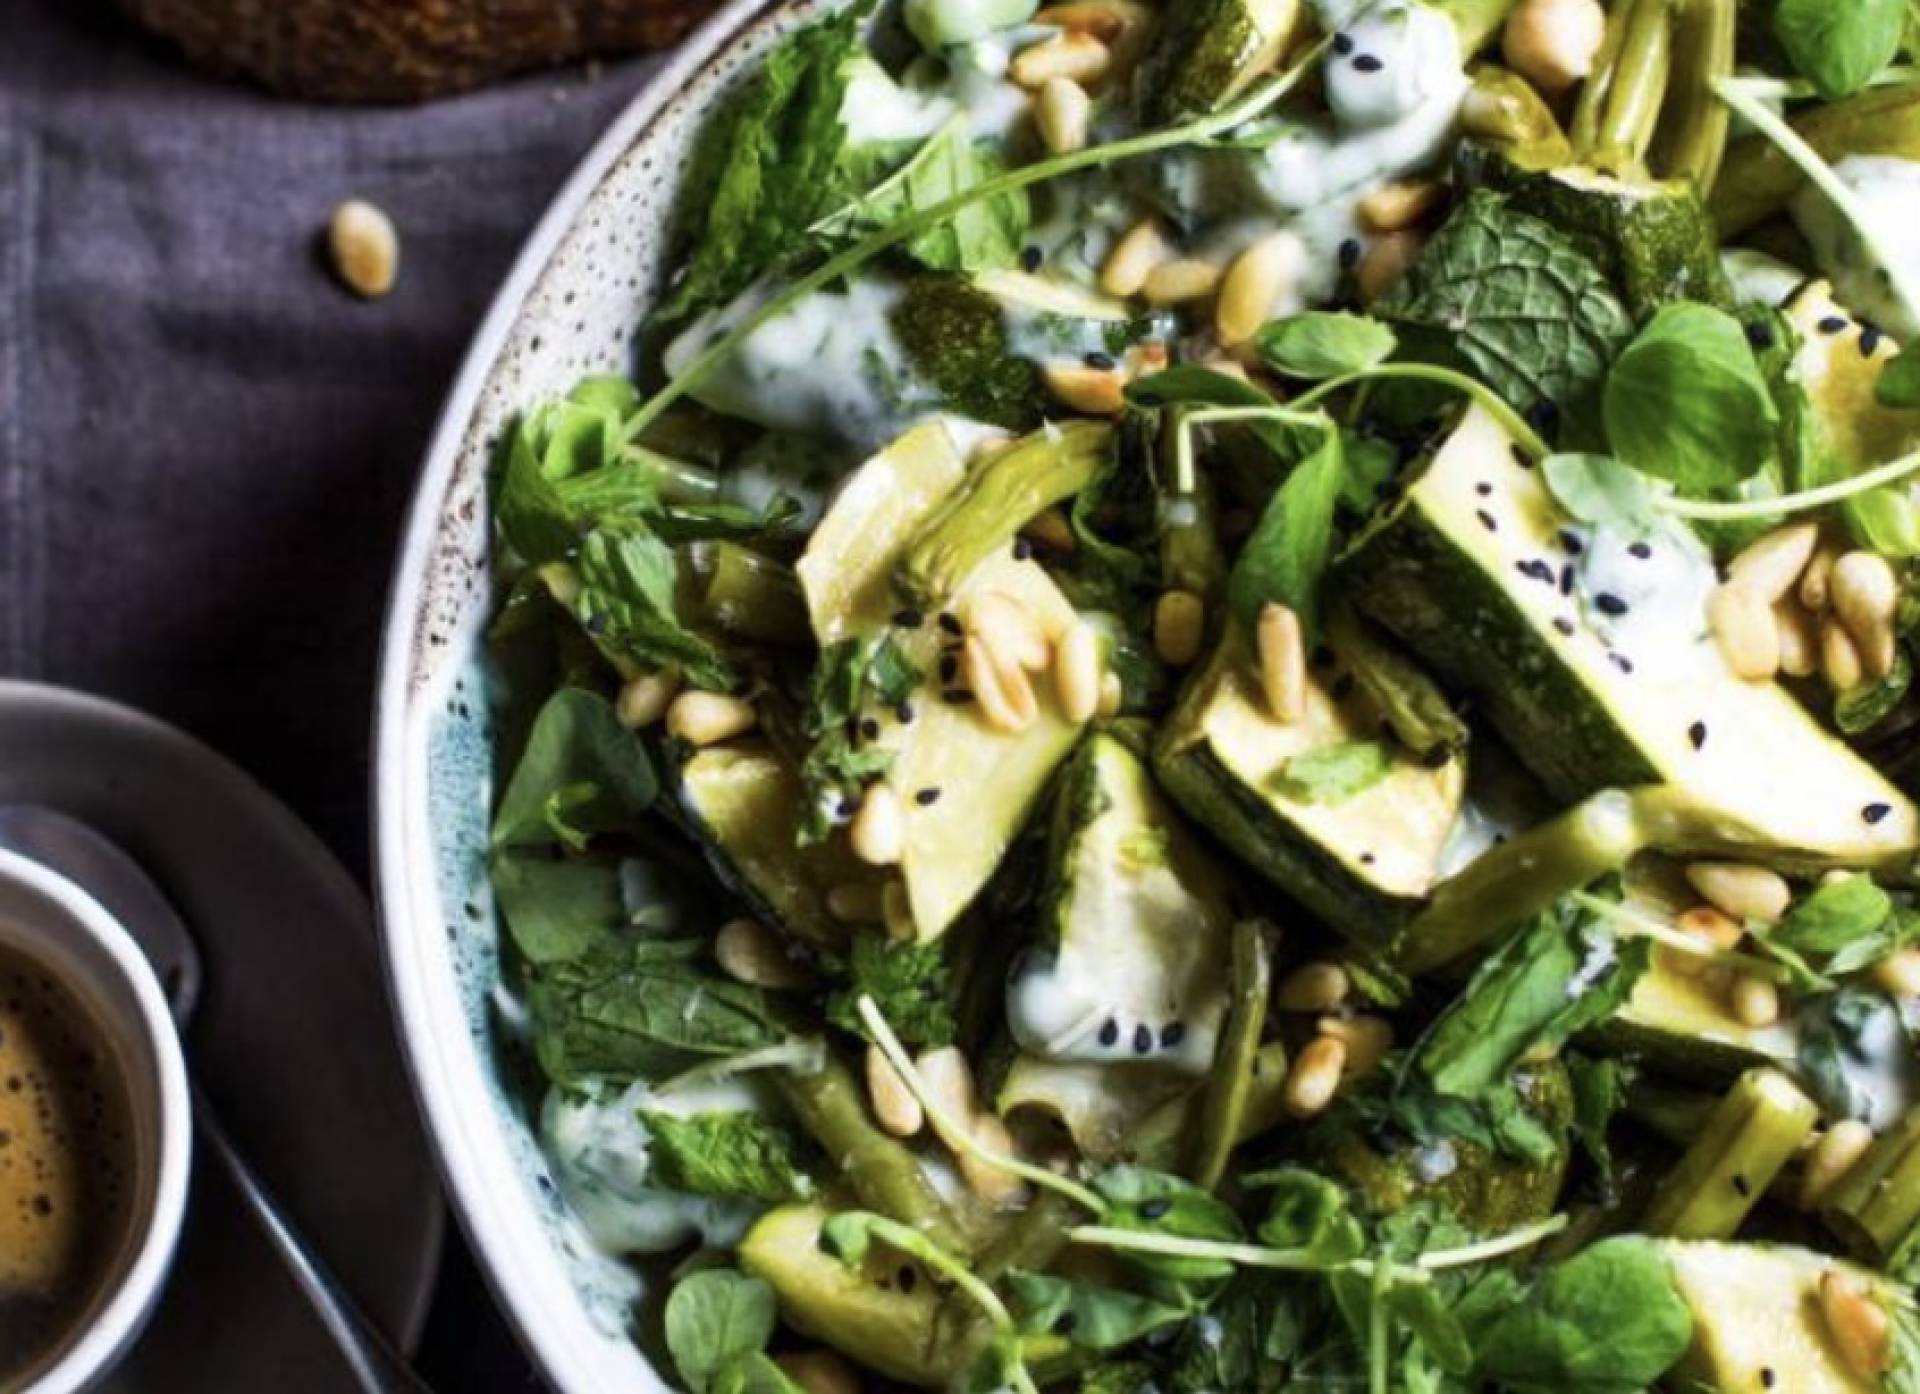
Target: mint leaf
[
  {"x": 1285, "y": 559},
  {"x": 735, "y": 1154},
  {"x": 1598, "y": 489},
  {"x": 581, "y": 773},
  {"x": 1319, "y": 344},
  {"x": 626, "y": 603},
  {"x": 1840, "y": 45},
  {"x": 715, "y": 1318},
  {"x": 1335, "y": 773},
  {"x": 986, "y": 235},
  {"x": 1686, "y": 402},
  {"x": 1514, "y": 301},
  {"x": 1091, "y": 1317},
  {"x": 911, "y": 983}
]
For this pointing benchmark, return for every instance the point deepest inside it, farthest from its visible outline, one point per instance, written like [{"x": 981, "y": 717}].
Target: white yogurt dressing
[
  {"x": 1645, "y": 596},
  {"x": 1757, "y": 277},
  {"x": 1888, "y": 188}
]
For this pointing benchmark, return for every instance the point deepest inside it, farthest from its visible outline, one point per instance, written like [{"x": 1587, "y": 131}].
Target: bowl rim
[{"x": 514, "y": 1251}]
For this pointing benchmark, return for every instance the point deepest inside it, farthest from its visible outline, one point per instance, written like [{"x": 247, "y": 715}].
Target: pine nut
[
  {"x": 856, "y": 902},
  {"x": 1061, "y": 110},
  {"x": 1078, "y": 56},
  {"x": 1715, "y": 929},
  {"x": 1400, "y": 204},
  {"x": 1113, "y": 695},
  {"x": 1899, "y": 973},
  {"x": 365, "y": 248},
  {"x": 1755, "y": 1001},
  {"x": 1385, "y": 262},
  {"x": 896, "y": 912},
  {"x": 948, "y": 1080},
  {"x": 1255, "y": 280},
  {"x": 1832, "y": 1157},
  {"x": 643, "y": 700},
  {"x": 1367, "y": 1039},
  {"x": 749, "y": 952},
  {"x": 894, "y": 1106},
  {"x": 1141, "y": 248},
  {"x": 1314, "y": 1077},
  {"x": 1799, "y": 639},
  {"x": 1816, "y": 581},
  {"x": 1839, "y": 659},
  {"x": 1179, "y": 627},
  {"x": 1552, "y": 43},
  {"x": 878, "y": 834},
  {"x": 1743, "y": 626},
  {"x": 1092, "y": 391},
  {"x": 1865, "y": 594},
  {"x": 1283, "y": 662},
  {"x": 1010, "y": 630},
  {"x": 1008, "y": 706},
  {"x": 1051, "y": 529},
  {"x": 1857, "y": 1323},
  {"x": 1076, "y": 672},
  {"x": 1319, "y": 986},
  {"x": 1770, "y": 565},
  {"x": 1180, "y": 281},
  {"x": 705, "y": 718},
  {"x": 819, "y": 1372},
  {"x": 1744, "y": 891},
  {"x": 998, "y": 1187}
]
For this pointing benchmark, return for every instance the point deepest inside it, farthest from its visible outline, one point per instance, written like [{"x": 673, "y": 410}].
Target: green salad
[{"x": 1229, "y": 708}]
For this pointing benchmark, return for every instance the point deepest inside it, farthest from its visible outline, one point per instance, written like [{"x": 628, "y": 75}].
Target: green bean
[
  {"x": 754, "y": 596},
  {"x": 1745, "y": 1143},
  {"x": 1224, "y": 1107},
  {"x": 1692, "y": 139},
  {"x": 1876, "y": 1204}
]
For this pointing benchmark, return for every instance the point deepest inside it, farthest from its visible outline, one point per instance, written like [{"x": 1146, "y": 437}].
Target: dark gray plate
[{"x": 293, "y": 1040}]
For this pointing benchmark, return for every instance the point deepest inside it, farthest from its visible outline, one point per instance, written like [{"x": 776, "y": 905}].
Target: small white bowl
[{"x": 55, "y": 924}]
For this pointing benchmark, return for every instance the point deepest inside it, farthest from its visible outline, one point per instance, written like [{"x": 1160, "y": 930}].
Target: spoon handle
[{"x": 377, "y": 1366}]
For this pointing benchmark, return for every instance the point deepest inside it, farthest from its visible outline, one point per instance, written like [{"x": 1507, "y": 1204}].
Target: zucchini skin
[{"x": 1410, "y": 577}]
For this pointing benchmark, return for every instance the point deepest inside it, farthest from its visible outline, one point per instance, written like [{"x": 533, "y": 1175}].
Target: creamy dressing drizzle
[
  {"x": 1889, "y": 190},
  {"x": 1646, "y": 597}
]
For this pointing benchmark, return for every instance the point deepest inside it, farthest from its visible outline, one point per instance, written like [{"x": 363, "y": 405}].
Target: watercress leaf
[
  {"x": 911, "y": 983},
  {"x": 1599, "y": 1088},
  {"x": 1093, "y": 1318},
  {"x": 627, "y": 577},
  {"x": 1685, "y": 401},
  {"x": 1307, "y": 1211},
  {"x": 1285, "y": 559},
  {"x": 1332, "y": 774},
  {"x": 1860, "y": 709},
  {"x": 1516, "y": 303},
  {"x": 581, "y": 773},
  {"x": 1598, "y": 489},
  {"x": 1898, "y": 386},
  {"x": 753, "y": 1374},
  {"x": 556, "y": 909},
  {"x": 1607, "y": 1321},
  {"x": 1423, "y": 1310},
  {"x": 714, "y": 1318},
  {"x": 1834, "y": 915},
  {"x": 642, "y": 1008},
  {"x": 1320, "y": 344},
  {"x": 1900, "y": 929},
  {"x": 765, "y": 165},
  {"x": 743, "y": 1155},
  {"x": 1156, "y": 1202},
  {"x": 986, "y": 235},
  {"x": 1840, "y": 48}
]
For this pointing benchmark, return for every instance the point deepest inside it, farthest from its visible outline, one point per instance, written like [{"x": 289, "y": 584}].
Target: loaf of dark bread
[{"x": 405, "y": 50}]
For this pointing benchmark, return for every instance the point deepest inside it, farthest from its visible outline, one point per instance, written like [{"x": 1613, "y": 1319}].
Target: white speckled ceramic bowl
[{"x": 571, "y": 307}]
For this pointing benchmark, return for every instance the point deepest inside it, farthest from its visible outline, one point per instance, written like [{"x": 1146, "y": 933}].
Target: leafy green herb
[
  {"x": 1599, "y": 1089},
  {"x": 581, "y": 773},
  {"x": 1333, "y": 774},
  {"x": 765, "y": 167},
  {"x": 642, "y": 1008},
  {"x": 1835, "y": 915},
  {"x": 1318, "y": 344},
  {"x": 1598, "y": 489},
  {"x": 556, "y": 909},
  {"x": 849, "y": 674},
  {"x": 626, "y": 602},
  {"x": 1840, "y": 47},
  {"x": 1285, "y": 559},
  {"x": 1685, "y": 401},
  {"x": 1308, "y": 1212},
  {"x": 1849, "y": 1041},
  {"x": 1607, "y": 1321},
  {"x": 1118, "y": 1377},
  {"x": 1154, "y": 1202},
  {"x": 911, "y": 983},
  {"x": 1898, "y": 386},
  {"x": 716, "y": 1318},
  {"x": 1093, "y": 1318},
  {"x": 983, "y": 236},
  {"x": 1247, "y": 1338},
  {"x": 1515, "y": 301},
  {"x": 738, "y": 1154},
  {"x": 1862, "y": 708},
  {"x": 1896, "y": 932}
]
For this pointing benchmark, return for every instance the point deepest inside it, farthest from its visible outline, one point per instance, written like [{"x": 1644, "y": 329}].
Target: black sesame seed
[
  {"x": 1566, "y": 579},
  {"x": 596, "y": 624},
  {"x": 1697, "y": 734},
  {"x": 1640, "y": 550},
  {"x": 1030, "y": 258},
  {"x": 908, "y": 1278},
  {"x": 1570, "y": 542},
  {"x": 1065, "y": 1322},
  {"x": 1102, "y": 361},
  {"x": 1155, "y": 1209},
  {"x": 1621, "y": 661},
  {"x": 1832, "y": 324},
  {"x": 1542, "y": 415},
  {"x": 1767, "y": 1377},
  {"x": 1563, "y": 624},
  {"x": 949, "y": 666},
  {"x": 1349, "y": 253},
  {"x": 1742, "y": 1185},
  {"x": 956, "y": 695},
  {"x": 1022, "y": 549},
  {"x": 1366, "y": 859},
  {"x": 1172, "y": 1034},
  {"x": 1142, "y": 1039},
  {"x": 1483, "y": 489},
  {"x": 909, "y": 619},
  {"x": 1869, "y": 339},
  {"x": 1874, "y": 812},
  {"x": 1486, "y": 520},
  {"x": 1760, "y": 335},
  {"x": 1607, "y": 603},
  {"x": 1535, "y": 570},
  {"x": 951, "y": 623},
  {"x": 903, "y": 713},
  {"x": 929, "y": 795},
  {"x": 1438, "y": 758},
  {"x": 1520, "y": 457},
  {"x": 1109, "y": 1032},
  {"x": 1367, "y": 63},
  {"x": 870, "y": 729},
  {"x": 1343, "y": 44}
]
